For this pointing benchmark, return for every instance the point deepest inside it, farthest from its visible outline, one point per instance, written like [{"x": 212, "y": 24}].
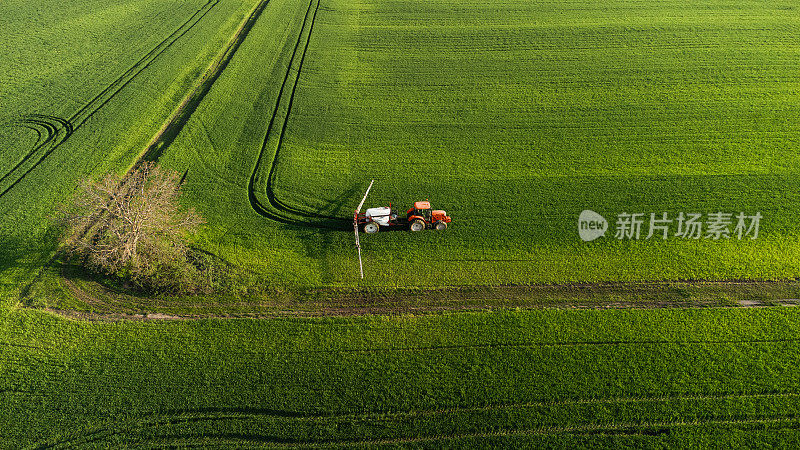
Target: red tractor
[
  {"x": 421, "y": 216},
  {"x": 418, "y": 217}
]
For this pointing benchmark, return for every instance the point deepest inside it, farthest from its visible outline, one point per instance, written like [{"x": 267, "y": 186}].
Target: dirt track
[{"x": 111, "y": 305}]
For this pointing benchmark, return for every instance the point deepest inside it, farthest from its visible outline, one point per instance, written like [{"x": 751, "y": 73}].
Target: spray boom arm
[{"x": 355, "y": 228}]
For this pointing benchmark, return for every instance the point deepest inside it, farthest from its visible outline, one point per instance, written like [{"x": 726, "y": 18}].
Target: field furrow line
[
  {"x": 104, "y": 434},
  {"x": 54, "y": 130},
  {"x": 87, "y": 298},
  {"x": 180, "y": 116},
  {"x": 272, "y": 207},
  {"x": 59, "y": 129},
  {"x": 14, "y": 344},
  {"x": 188, "y": 416},
  {"x": 233, "y": 413},
  {"x": 82, "y": 115},
  {"x": 271, "y": 178},
  {"x": 578, "y": 429},
  {"x": 491, "y": 346}
]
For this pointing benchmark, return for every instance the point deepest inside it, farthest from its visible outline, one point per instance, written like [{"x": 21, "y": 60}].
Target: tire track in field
[
  {"x": 137, "y": 426},
  {"x": 173, "y": 126},
  {"x": 270, "y": 186},
  {"x": 523, "y": 345},
  {"x": 89, "y": 299},
  {"x": 242, "y": 412},
  {"x": 643, "y": 428},
  {"x": 16, "y": 344},
  {"x": 51, "y": 130},
  {"x": 56, "y": 130},
  {"x": 188, "y": 105},
  {"x": 634, "y": 428},
  {"x": 255, "y": 202},
  {"x": 272, "y": 207}
]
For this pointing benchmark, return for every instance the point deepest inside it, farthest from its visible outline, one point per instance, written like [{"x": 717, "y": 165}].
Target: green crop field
[
  {"x": 83, "y": 89},
  {"x": 514, "y": 117},
  {"x": 567, "y": 379},
  {"x": 673, "y": 125}
]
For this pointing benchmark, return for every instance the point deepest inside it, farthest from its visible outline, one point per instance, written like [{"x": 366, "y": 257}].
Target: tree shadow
[
  {"x": 22, "y": 259},
  {"x": 12, "y": 252}
]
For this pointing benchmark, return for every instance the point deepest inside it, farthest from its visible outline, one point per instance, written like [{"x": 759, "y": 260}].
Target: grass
[
  {"x": 69, "y": 290},
  {"x": 514, "y": 117},
  {"x": 547, "y": 377},
  {"x": 83, "y": 90}
]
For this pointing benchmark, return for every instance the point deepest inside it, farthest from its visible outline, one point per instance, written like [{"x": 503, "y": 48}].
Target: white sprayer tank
[{"x": 380, "y": 215}]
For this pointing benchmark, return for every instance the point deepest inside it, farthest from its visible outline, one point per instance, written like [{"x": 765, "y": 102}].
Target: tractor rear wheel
[
  {"x": 417, "y": 225},
  {"x": 440, "y": 225},
  {"x": 371, "y": 227}
]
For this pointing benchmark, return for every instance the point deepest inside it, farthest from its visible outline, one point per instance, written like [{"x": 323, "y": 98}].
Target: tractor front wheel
[
  {"x": 371, "y": 227},
  {"x": 440, "y": 226},
  {"x": 417, "y": 225}
]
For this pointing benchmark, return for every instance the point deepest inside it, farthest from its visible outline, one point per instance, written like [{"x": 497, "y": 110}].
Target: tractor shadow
[
  {"x": 337, "y": 205},
  {"x": 321, "y": 243}
]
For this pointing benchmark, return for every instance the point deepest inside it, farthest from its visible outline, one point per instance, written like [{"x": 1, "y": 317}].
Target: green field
[
  {"x": 83, "y": 90},
  {"x": 514, "y": 116},
  {"x": 714, "y": 377}
]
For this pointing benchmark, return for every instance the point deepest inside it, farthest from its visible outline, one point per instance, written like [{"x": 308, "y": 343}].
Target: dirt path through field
[{"x": 104, "y": 304}]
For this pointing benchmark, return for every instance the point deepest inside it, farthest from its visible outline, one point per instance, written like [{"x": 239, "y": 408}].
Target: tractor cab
[{"x": 420, "y": 209}]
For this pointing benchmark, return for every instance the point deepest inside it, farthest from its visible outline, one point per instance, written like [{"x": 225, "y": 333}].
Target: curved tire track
[
  {"x": 56, "y": 130},
  {"x": 50, "y": 130},
  {"x": 166, "y": 419},
  {"x": 261, "y": 193}
]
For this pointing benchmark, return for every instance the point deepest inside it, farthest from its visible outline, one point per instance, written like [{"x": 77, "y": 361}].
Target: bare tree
[{"x": 132, "y": 226}]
